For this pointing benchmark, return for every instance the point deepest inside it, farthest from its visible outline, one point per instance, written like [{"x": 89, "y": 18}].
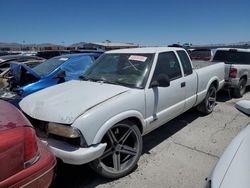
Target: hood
[
  {"x": 65, "y": 102},
  {"x": 18, "y": 70},
  {"x": 232, "y": 169}
]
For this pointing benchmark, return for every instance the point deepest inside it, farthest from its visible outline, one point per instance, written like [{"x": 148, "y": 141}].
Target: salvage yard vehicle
[
  {"x": 24, "y": 160},
  {"x": 6, "y": 60},
  {"x": 237, "y": 69},
  {"x": 51, "y": 53},
  {"x": 126, "y": 94},
  {"x": 19, "y": 58},
  {"x": 56, "y": 70},
  {"x": 5, "y": 70},
  {"x": 232, "y": 169}
]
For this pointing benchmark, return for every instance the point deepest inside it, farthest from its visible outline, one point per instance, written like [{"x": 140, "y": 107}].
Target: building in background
[{"x": 107, "y": 45}]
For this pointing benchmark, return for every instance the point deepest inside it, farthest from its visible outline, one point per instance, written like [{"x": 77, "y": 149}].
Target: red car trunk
[{"x": 22, "y": 156}]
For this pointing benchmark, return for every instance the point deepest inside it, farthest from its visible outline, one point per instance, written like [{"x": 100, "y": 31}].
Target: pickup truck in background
[
  {"x": 124, "y": 95},
  {"x": 201, "y": 54},
  {"x": 237, "y": 68}
]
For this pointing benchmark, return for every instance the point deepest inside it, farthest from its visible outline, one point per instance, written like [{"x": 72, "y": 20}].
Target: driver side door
[{"x": 165, "y": 103}]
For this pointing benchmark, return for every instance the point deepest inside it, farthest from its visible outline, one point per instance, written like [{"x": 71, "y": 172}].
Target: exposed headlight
[
  {"x": 62, "y": 130},
  {"x": 68, "y": 132}
]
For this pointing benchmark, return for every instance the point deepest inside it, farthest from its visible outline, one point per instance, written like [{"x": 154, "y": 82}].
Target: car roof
[
  {"x": 29, "y": 61},
  {"x": 238, "y": 49},
  {"x": 10, "y": 57},
  {"x": 76, "y": 55},
  {"x": 145, "y": 50}
]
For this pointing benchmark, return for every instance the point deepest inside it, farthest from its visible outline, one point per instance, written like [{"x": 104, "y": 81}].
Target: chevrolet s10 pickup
[{"x": 124, "y": 95}]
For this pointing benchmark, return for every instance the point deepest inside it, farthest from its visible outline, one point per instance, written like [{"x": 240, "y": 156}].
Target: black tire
[
  {"x": 240, "y": 90},
  {"x": 208, "y": 104},
  {"x": 124, "y": 147}
]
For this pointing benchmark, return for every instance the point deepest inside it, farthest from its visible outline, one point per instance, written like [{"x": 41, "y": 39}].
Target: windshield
[
  {"x": 129, "y": 70},
  {"x": 232, "y": 57},
  {"x": 49, "y": 65}
]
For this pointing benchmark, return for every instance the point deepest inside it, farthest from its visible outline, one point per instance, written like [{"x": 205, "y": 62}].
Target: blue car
[{"x": 27, "y": 80}]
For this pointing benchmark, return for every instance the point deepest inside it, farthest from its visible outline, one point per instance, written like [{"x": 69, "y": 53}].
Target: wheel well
[
  {"x": 215, "y": 84},
  {"x": 136, "y": 121},
  {"x": 244, "y": 77}
]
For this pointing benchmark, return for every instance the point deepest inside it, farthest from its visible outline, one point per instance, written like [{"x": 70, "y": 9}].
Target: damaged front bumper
[{"x": 73, "y": 154}]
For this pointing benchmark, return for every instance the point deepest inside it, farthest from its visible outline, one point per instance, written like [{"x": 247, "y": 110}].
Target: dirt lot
[{"x": 182, "y": 153}]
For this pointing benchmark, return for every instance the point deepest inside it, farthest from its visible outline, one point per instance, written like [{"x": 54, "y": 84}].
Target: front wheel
[
  {"x": 124, "y": 147},
  {"x": 208, "y": 104}
]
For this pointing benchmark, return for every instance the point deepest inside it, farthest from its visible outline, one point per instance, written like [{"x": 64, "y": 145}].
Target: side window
[
  {"x": 168, "y": 64},
  {"x": 186, "y": 64}
]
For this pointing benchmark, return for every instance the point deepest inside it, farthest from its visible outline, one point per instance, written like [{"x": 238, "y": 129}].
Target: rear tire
[
  {"x": 208, "y": 104},
  {"x": 124, "y": 147},
  {"x": 240, "y": 90}
]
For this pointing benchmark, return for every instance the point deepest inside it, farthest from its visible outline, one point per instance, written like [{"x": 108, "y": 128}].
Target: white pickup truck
[
  {"x": 124, "y": 95},
  {"x": 237, "y": 68}
]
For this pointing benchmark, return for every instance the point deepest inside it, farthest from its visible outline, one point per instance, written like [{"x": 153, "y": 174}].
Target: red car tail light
[
  {"x": 233, "y": 73},
  {"x": 11, "y": 152},
  {"x": 30, "y": 146}
]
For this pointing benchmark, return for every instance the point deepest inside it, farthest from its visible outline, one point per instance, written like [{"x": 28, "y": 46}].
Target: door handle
[{"x": 183, "y": 84}]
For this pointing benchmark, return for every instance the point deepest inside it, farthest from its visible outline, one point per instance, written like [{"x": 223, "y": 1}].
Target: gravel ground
[{"x": 181, "y": 153}]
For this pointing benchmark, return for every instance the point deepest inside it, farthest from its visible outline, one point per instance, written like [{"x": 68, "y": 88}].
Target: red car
[{"x": 24, "y": 160}]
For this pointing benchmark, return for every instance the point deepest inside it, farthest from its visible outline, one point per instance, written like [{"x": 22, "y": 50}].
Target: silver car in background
[
  {"x": 233, "y": 169},
  {"x": 237, "y": 68}
]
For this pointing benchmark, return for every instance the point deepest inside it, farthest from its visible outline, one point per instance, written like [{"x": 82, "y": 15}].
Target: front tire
[
  {"x": 208, "y": 104},
  {"x": 124, "y": 147}
]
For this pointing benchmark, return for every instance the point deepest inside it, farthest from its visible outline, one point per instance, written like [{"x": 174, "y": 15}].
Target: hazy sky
[{"x": 155, "y": 22}]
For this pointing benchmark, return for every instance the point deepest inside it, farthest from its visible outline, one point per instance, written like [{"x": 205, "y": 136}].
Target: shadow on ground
[
  {"x": 226, "y": 95},
  {"x": 82, "y": 176}
]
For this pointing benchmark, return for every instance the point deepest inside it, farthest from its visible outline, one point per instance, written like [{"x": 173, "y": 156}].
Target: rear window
[
  {"x": 186, "y": 64},
  {"x": 232, "y": 57},
  {"x": 48, "y": 66},
  {"x": 200, "y": 54}
]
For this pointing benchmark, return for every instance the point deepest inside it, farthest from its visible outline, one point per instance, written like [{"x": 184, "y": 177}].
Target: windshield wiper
[
  {"x": 82, "y": 77},
  {"x": 85, "y": 78},
  {"x": 109, "y": 82}
]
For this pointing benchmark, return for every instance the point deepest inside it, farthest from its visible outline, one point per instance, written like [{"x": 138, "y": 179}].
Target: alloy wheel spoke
[
  {"x": 107, "y": 153},
  {"x": 112, "y": 137},
  {"x": 117, "y": 161},
  {"x": 128, "y": 150},
  {"x": 125, "y": 136}
]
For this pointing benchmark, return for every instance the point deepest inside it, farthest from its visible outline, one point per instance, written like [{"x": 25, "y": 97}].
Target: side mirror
[
  {"x": 60, "y": 75},
  {"x": 162, "y": 81},
  {"x": 243, "y": 106}
]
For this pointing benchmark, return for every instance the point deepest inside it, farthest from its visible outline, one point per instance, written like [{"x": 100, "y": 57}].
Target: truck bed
[
  {"x": 201, "y": 64},
  {"x": 207, "y": 71}
]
